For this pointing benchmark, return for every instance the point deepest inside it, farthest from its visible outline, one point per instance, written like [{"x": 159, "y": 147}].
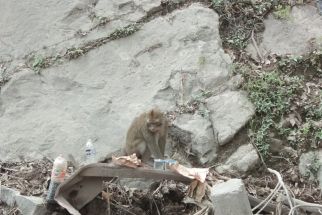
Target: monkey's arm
[
  {"x": 108, "y": 157},
  {"x": 153, "y": 146},
  {"x": 162, "y": 142}
]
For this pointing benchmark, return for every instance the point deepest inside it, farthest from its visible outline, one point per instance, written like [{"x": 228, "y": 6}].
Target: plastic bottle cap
[{"x": 89, "y": 143}]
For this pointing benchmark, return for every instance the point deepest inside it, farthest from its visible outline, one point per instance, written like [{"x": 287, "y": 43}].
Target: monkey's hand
[{"x": 108, "y": 157}]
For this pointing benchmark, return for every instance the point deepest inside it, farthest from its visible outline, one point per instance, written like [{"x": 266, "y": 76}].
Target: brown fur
[{"x": 147, "y": 135}]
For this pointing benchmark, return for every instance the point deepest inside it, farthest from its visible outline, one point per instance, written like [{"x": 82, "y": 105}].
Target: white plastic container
[
  {"x": 57, "y": 176},
  {"x": 90, "y": 152}
]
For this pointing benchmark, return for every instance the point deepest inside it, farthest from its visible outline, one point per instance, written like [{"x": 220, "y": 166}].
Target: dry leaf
[
  {"x": 197, "y": 190},
  {"x": 129, "y": 161},
  {"x": 192, "y": 188},
  {"x": 106, "y": 196},
  {"x": 194, "y": 173},
  {"x": 200, "y": 191}
]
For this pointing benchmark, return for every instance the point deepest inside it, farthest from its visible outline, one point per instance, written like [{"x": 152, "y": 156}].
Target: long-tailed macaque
[{"x": 147, "y": 135}]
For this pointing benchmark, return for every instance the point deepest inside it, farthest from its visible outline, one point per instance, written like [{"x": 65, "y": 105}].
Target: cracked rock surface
[
  {"x": 168, "y": 61},
  {"x": 298, "y": 34}
]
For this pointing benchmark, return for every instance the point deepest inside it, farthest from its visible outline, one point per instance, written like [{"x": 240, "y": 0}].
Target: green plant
[
  {"x": 204, "y": 112},
  {"x": 306, "y": 128},
  {"x": 239, "y": 18},
  {"x": 282, "y": 12},
  {"x": 217, "y": 3},
  {"x": 318, "y": 135},
  {"x": 260, "y": 134},
  {"x": 202, "y": 60},
  {"x": 124, "y": 32},
  {"x": 238, "y": 40},
  {"x": 38, "y": 63},
  {"x": 74, "y": 53},
  {"x": 201, "y": 96},
  {"x": 271, "y": 93},
  {"x": 314, "y": 166}
]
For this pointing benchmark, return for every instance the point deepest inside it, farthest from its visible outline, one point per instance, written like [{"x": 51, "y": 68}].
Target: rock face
[
  {"x": 229, "y": 112},
  {"x": 168, "y": 61},
  {"x": 310, "y": 165},
  {"x": 242, "y": 160},
  {"x": 203, "y": 142},
  {"x": 297, "y": 34},
  {"x": 98, "y": 95}
]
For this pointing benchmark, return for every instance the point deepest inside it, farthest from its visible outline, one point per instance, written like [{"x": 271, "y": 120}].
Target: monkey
[{"x": 147, "y": 135}]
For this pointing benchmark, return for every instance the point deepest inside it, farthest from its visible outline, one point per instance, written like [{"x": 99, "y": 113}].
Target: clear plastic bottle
[
  {"x": 90, "y": 152},
  {"x": 57, "y": 176}
]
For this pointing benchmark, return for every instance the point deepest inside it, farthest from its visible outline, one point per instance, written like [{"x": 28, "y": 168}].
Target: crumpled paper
[
  {"x": 199, "y": 174},
  {"x": 128, "y": 161}
]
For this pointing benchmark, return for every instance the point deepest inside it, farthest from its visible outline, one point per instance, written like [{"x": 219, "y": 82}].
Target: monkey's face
[
  {"x": 154, "y": 127},
  {"x": 154, "y": 120}
]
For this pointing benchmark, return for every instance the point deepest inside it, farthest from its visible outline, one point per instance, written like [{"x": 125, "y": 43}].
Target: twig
[
  {"x": 270, "y": 207},
  {"x": 11, "y": 176},
  {"x": 215, "y": 165},
  {"x": 156, "y": 206},
  {"x": 106, "y": 197},
  {"x": 259, "y": 155},
  {"x": 202, "y": 211},
  {"x": 306, "y": 206},
  {"x": 8, "y": 169},
  {"x": 13, "y": 211},
  {"x": 221, "y": 177},
  {"x": 268, "y": 198},
  {"x": 156, "y": 190},
  {"x": 256, "y": 47},
  {"x": 123, "y": 208},
  {"x": 280, "y": 157}
]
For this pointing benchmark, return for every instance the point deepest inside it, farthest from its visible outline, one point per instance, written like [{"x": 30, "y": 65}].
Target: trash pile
[
  {"x": 86, "y": 184},
  {"x": 42, "y": 178},
  {"x": 94, "y": 188},
  {"x": 166, "y": 197}
]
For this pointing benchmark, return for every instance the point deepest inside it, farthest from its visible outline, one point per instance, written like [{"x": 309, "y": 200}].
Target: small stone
[
  {"x": 8, "y": 195},
  {"x": 30, "y": 205},
  {"x": 242, "y": 160},
  {"x": 230, "y": 198}
]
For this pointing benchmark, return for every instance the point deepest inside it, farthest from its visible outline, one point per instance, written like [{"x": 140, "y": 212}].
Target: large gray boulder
[
  {"x": 310, "y": 165},
  {"x": 297, "y": 34},
  {"x": 242, "y": 160},
  {"x": 229, "y": 112},
  {"x": 35, "y": 27},
  {"x": 203, "y": 142},
  {"x": 98, "y": 95}
]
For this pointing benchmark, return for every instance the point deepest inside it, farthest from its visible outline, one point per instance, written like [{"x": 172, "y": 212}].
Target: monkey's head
[{"x": 154, "y": 120}]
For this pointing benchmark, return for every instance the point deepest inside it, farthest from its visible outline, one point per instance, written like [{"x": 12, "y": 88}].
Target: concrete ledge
[{"x": 28, "y": 205}]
